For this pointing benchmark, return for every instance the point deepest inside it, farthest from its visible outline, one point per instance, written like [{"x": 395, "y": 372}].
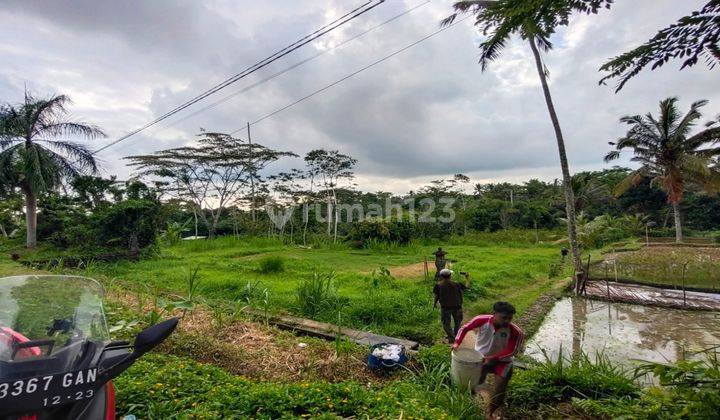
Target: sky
[{"x": 426, "y": 113}]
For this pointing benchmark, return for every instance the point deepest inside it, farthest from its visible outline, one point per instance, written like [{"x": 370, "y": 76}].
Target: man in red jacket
[{"x": 498, "y": 340}]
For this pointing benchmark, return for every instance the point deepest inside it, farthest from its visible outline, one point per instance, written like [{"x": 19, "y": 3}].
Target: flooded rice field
[{"x": 623, "y": 332}]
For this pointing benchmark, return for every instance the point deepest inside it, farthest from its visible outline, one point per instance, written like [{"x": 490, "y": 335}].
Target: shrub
[
  {"x": 317, "y": 295},
  {"x": 132, "y": 224},
  {"x": 369, "y": 231},
  {"x": 271, "y": 264}
]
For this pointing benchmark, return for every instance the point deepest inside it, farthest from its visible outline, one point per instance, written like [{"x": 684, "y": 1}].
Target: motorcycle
[{"x": 56, "y": 357}]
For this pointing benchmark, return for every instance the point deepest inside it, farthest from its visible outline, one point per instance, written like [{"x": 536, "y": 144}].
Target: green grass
[
  {"x": 697, "y": 268},
  {"x": 166, "y": 387},
  {"x": 229, "y": 270}
]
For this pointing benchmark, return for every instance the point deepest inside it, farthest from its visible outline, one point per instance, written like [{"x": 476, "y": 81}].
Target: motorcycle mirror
[{"x": 153, "y": 335}]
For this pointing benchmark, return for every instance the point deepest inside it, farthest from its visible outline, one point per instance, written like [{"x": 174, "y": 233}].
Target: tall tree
[
  {"x": 534, "y": 21},
  {"x": 330, "y": 168},
  {"x": 689, "y": 39},
  {"x": 210, "y": 175},
  {"x": 37, "y": 151},
  {"x": 669, "y": 155}
]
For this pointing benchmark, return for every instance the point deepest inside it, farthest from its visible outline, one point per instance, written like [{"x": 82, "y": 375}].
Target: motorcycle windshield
[{"x": 49, "y": 319}]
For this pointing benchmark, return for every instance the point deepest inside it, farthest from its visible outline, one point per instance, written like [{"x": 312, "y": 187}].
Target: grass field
[
  {"x": 230, "y": 269},
  {"x": 399, "y": 305}
]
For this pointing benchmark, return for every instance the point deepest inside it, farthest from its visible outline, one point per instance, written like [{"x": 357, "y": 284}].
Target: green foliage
[
  {"x": 688, "y": 390},
  {"x": 431, "y": 357},
  {"x": 606, "y": 229},
  {"x": 557, "y": 381},
  {"x": 368, "y": 231},
  {"x": 436, "y": 384},
  {"x": 382, "y": 277},
  {"x": 692, "y": 37},
  {"x": 508, "y": 237},
  {"x": 173, "y": 232},
  {"x": 317, "y": 295},
  {"x": 271, "y": 264},
  {"x": 131, "y": 224},
  {"x": 172, "y": 387}
]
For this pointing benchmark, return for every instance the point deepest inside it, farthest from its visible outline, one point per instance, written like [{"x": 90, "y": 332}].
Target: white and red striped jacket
[{"x": 500, "y": 344}]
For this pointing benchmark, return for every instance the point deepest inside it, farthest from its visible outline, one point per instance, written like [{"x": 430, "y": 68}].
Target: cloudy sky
[{"x": 423, "y": 114}]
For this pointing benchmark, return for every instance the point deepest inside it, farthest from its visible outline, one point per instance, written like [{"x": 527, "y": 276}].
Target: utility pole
[{"x": 252, "y": 177}]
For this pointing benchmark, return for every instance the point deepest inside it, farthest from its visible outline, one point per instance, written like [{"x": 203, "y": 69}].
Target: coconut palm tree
[
  {"x": 35, "y": 152},
  {"x": 534, "y": 21},
  {"x": 669, "y": 155},
  {"x": 588, "y": 190}
]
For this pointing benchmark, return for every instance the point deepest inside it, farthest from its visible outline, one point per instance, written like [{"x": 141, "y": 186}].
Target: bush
[
  {"x": 317, "y": 295},
  {"x": 369, "y": 231},
  {"x": 132, "y": 224},
  {"x": 271, "y": 264}
]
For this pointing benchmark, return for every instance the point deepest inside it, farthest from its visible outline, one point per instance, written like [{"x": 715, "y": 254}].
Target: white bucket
[{"x": 465, "y": 368}]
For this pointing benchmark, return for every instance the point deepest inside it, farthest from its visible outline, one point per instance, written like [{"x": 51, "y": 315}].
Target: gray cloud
[{"x": 425, "y": 113}]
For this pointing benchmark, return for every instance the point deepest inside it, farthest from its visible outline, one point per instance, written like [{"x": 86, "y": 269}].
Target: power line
[
  {"x": 364, "y": 8},
  {"x": 287, "y": 69},
  {"x": 362, "y": 69}
]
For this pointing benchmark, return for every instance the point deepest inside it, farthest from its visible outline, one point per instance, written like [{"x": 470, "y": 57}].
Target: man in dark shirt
[{"x": 450, "y": 295}]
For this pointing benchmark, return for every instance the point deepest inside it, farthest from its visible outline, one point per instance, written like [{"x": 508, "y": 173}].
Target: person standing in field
[
  {"x": 497, "y": 341},
  {"x": 440, "y": 261},
  {"x": 449, "y": 294}
]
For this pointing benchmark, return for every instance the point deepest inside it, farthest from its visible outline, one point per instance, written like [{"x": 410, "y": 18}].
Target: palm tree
[
  {"x": 588, "y": 190},
  {"x": 669, "y": 155},
  {"x": 35, "y": 154},
  {"x": 534, "y": 21}
]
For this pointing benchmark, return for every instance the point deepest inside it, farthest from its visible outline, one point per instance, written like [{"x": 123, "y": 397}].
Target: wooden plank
[{"x": 330, "y": 331}]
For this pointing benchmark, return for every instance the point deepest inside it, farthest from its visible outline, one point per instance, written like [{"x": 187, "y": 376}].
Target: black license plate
[{"x": 47, "y": 391}]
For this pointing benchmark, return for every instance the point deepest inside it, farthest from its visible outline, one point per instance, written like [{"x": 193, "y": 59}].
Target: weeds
[
  {"x": 317, "y": 295},
  {"x": 434, "y": 380},
  {"x": 271, "y": 264},
  {"x": 556, "y": 381}
]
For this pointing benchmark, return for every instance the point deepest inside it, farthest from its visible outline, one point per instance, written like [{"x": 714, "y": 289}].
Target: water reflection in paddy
[{"x": 624, "y": 332}]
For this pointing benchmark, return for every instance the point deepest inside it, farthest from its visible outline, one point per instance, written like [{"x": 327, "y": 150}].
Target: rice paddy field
[{"x": 696, "y": 267}]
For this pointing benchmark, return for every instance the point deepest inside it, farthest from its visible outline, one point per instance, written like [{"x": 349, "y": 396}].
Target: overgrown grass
[
  {"x": 271, "y": 264},
  {"x": 558, "y": 381},
  {"x": 317, "y": 295},
  {"x": 587, "y": 388},
  {"x": 229, "y": 269}
]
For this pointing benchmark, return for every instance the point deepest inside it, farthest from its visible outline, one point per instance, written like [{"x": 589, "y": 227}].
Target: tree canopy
[{"x": 689, "y": 39}]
